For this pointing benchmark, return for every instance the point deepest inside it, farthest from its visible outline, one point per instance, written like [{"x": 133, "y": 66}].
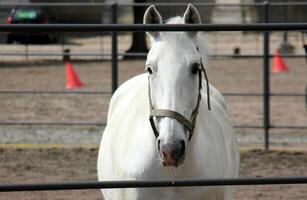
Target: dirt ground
[{"x": 79, "y": 164}]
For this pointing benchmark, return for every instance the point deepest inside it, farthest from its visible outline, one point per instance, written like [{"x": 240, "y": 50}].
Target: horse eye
[
  {"x": 149, "y": 70},
  {"x": 195, "y": 68}
]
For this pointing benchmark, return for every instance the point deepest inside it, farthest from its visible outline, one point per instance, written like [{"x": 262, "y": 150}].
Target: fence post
[
  {"x": 114, "y": 50},
  {"x": 266, "y": 79}
]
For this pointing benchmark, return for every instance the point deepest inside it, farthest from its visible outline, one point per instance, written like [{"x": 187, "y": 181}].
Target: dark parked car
[{"x": 30, "y": 16}]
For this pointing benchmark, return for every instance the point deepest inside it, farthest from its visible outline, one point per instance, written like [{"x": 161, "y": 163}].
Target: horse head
[{"x": 174, "y": 69}]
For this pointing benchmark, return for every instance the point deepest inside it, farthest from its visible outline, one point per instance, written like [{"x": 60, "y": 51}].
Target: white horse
[{"x": 134, "y": 148}]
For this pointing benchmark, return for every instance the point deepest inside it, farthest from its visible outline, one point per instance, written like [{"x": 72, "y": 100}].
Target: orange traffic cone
[
  {"x": 278, "y": 64},
  {"x": 72, "y": 80}
]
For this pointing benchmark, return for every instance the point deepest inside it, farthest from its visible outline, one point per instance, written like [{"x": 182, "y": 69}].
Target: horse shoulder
[
  {"x": 227, "y": 134},
  {"x": 126, "y": 130},
  {"x": 214, "y": 93},
  {"x": 222, "y": 138},
  {"x": 125, "y": 94}
]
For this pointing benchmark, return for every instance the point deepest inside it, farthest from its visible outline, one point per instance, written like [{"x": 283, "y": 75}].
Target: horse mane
[{"x": 179, "y": 36}]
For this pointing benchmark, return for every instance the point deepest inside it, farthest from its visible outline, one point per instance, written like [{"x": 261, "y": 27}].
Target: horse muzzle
[{"x": 172, "y": 154}]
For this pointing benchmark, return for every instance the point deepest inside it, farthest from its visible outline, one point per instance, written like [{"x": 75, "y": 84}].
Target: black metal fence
[
  {"x": 265, "y": 27},
  {"x": 153, "y": 184}
]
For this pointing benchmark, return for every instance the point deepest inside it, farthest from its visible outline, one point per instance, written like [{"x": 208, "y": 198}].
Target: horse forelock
[
  {"x": 178, "y": 38},
  {"x": 175, "y": 20}
]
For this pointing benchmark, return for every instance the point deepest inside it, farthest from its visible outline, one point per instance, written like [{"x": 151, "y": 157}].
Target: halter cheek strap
[{"x": 188, "y": 124}]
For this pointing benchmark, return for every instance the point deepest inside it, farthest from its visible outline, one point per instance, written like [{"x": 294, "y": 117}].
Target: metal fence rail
[
  {"x": 102, "y": 4},
  {"x": 88, "y": 92},
  {"x": 103, "y": 93},
  {"x": 96, "y": 54},
  {"x": 151, "y": 27},
  {"x": 153, "y": 184}
]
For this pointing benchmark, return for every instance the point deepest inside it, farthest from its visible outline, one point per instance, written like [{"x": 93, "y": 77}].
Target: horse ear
[
  {"x": 152, "y": 16},
  {"x": 191, "y": 15}
]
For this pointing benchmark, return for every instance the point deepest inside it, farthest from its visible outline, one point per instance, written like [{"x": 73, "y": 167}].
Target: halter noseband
[{"x": 188, "y": 124}]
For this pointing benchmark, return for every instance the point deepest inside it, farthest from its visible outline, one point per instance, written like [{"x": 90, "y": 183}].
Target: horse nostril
[
  {"x": 172, "y": 151},
  {"x": 182, "y": 147}
]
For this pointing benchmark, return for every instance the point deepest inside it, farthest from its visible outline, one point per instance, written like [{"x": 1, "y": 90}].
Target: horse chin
[{"x": 172, "y": 163}]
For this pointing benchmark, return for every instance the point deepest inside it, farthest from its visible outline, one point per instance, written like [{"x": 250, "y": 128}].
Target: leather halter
[{"x": 188, "y": 124}]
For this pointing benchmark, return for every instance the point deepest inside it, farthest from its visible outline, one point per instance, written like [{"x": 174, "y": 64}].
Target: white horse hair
[{"x": 129, "y": 149}]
